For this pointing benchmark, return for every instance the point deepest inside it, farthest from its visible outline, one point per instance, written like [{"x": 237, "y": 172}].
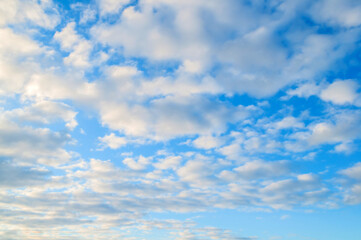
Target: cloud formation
[{"x": 149, "y": 119}]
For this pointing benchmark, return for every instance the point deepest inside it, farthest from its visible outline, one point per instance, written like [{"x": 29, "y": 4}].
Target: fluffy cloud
[
  {"x": 44, "y": 112},
  {"x": 111, "y": 6},
  {"x": 207, "y": 142},
  {"x": 353, "y": 172},
  {"x": 344, "y": 129},
  {"x": 37, "y": 144},
  {"x": 256, "y": 170},
  {"x": 112, "y": 141},
  {"x": 338, "y": 12},
  {"x": 305, "y": 90},
  {"x": 171, "y": 162},
  {"x": 170, "y": 117},
  {"x": 139, "y": 164},
  {"x": 256, "y": 56},
  {"x": 14, "y": 176},
  {"x": 67, "y": 37},
  {"x": 17, "y": 44},
  {"x": 341, "y": 92},
  {"x": 15, "y": 50},
  {"x": 198, "y": 173},
  {"x": 78, "y": 47},
  {"x": 144, "y": 33},
  {"x": 41, "y": 13},
  {"x": 352, "y": 191}
]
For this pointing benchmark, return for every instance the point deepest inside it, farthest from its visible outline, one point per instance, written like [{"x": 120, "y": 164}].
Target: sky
[{"x": 180, "y": 120}]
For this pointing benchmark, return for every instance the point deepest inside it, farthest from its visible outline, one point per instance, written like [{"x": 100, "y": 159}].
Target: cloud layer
[{"x": 120, "y": 119}]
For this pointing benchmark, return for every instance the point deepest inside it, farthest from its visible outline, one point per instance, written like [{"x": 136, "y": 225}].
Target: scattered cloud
[
  {"x": 118, "y": 117},
  {"x": 112, "y": 141}
]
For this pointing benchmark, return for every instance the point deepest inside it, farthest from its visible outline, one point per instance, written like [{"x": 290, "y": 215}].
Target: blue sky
[{"x": 182, "y": 120}]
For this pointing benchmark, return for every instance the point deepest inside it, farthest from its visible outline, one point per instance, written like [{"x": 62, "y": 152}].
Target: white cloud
[
  {"x": 88, "y": 14},
  {"x": 112, "y": 141},
  {"x": 208, "y": 142},
  {"x": 18, "y": 44},
  {"x": 353, "y": 172},
  {"x": 305, "y": 90},
  {"x": 193, "y": 66},
  {"x": 12, "y": 77},
  {"x": 178, "y": 69},
  {"x": 68, "y": 86},
  {"x": 41, "y": 13},
  {"x": 340, "y": 127},
  {"x": 157, "y": 34},
  {"x": 257, "y": 56},
  {"x": 119, "y": 73},
  {"x": 341, "y": 92},
  {"x": 171, "y": 162},
  {"x": 67, "y": 37},
  {"x": 161, "y": 120},
  {"x": 80, "y": 55},
  {"x": 354, "y": 196},
  {"x": 30, "y": 145},
  {"x": 345, "y": 13},
  {"x": 99, "y": 166},
  {"x": 262, "y": 169},
  {"x": 17, "y": 54},
  {"x": 255, "y": 170},
  {"x": 345, "y": 129},
  {"x": 284, "y": 192},
  {"x": 352, "y": 191},
  {"x": 14, "y": 176},
  {"x": 232, "y": 151},
  {"x": 183, "y": 85},
  {"x": 111, "y": 6},
  {"x": 198, "y": 173},
  {"x": 345, "y": 147},
  {"x": 74, "y": 43},
  {"x": 170, "y": 117},
  {"x": 139, "y": 164},
  {"x": 288, "y": 122},
  {"x": 44, "y": 112}
]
